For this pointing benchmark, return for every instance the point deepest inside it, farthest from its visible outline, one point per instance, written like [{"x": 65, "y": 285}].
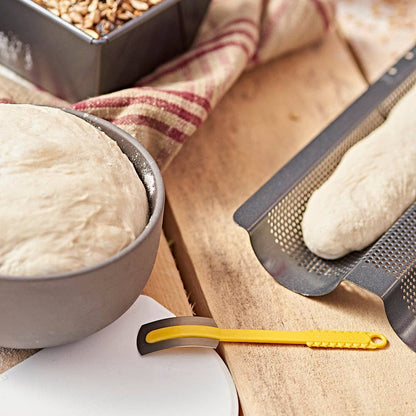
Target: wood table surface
[
  {"x": 269, "y": 115},
  {"x": 209, "y": 268}
]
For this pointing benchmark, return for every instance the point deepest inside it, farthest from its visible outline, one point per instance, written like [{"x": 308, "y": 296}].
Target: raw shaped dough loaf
[
  {"x": 69, "y": 197},
  {"x": 371, "y": 187}
]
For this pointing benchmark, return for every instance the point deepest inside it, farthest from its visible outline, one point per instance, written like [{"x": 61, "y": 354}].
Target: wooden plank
[
  {"x": 379, "y": 31},
  {"x": 164, "y": 285},
  {"x": 269, "y": 115}
]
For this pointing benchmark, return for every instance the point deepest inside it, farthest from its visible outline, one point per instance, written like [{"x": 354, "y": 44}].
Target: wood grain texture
[
  {"x": 379, "y": 31},
  {"x": 164, "y": 285},
  {"x": 269, "y": 115}
]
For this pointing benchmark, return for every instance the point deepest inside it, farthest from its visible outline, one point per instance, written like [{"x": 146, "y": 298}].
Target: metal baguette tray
[{"x": 273, "y": 215}]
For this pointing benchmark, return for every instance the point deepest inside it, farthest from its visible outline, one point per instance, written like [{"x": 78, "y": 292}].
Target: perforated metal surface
[
  {"x": 273, "y": 215},
  {"x": 408, "y": 289},
  {"x": 285, "y": 218},
  {"x": 394, "y": 253}
]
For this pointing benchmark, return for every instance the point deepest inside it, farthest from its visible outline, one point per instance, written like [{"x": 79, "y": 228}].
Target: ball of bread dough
[
  {"x": 371, "y": 187},
  {"x": 69, "y": 197}
]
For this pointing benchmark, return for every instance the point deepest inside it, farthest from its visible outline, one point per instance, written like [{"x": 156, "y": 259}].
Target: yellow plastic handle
[
  {"x": 311, "y": 338},
  {"x": 345, "y": 339}
]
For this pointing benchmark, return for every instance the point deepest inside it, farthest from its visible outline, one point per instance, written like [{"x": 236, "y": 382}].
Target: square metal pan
[{"x": 62, "y": 59}]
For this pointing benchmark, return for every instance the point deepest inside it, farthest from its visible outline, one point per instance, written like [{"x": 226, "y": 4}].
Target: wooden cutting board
[{"x": 269, "y": 115}]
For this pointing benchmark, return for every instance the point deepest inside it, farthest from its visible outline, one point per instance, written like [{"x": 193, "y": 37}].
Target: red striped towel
[{"x": 167, "y": 106}]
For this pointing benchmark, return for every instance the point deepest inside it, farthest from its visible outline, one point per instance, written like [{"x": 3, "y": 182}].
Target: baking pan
[
  {"x": 273, "y": 215},
  {"x": 62, "y": 59}
]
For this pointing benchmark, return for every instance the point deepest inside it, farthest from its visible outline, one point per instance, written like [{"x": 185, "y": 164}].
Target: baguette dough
[
  {"x": 69, "y": 197},
  {"x": 372, "y": 186}
]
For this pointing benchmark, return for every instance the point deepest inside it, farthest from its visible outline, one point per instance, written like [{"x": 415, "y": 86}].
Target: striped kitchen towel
[{"x": 163, "y": 109}]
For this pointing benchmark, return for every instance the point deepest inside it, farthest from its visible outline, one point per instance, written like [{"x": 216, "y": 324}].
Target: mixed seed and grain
[{"x": 97, "y": 18}]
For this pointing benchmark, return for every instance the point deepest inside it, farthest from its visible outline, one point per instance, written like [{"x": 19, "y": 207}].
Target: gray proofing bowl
[{"x": 44, "y": 311}]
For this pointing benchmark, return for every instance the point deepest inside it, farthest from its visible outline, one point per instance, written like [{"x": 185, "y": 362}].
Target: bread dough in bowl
[{"x": 69, "y": 197}]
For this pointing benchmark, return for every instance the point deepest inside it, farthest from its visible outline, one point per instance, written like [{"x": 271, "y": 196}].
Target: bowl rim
[{"x": 156, "y": 209}]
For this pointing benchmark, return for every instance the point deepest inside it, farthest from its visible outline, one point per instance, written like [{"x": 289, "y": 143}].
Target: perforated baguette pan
[{"x": 273, "y": 215}]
